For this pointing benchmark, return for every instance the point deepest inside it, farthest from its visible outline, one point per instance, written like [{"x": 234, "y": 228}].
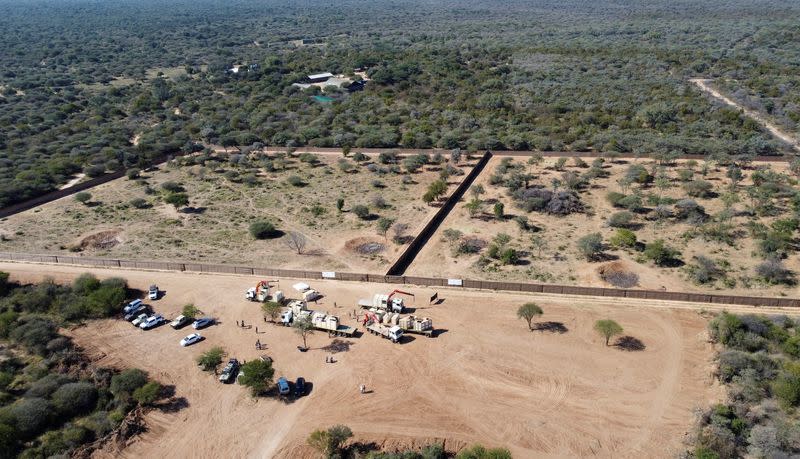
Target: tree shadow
[
  {"x": 629, "y": 343},
  {"x": 550, "y": 326},
  {"x": 194, "y": 210},
  {"x": 359, "y": 449},
  {"x": 337, "y": 345}
]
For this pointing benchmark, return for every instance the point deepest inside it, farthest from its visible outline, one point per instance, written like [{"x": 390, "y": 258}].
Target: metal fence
[
  {"x": 409, "y": 280},
  {"x": 407, "y": 257}
]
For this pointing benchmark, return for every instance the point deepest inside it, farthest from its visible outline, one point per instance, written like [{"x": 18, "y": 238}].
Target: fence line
[
  {"x": 412, "y": 280},
  {"x": 407, "y": 257}
]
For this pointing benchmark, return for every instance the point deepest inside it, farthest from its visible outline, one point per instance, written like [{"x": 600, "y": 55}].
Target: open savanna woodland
[
  {"x": 88, "y": 87},
  {"x": 256, "y": 209},
  {"x": 675, "y": 225}
]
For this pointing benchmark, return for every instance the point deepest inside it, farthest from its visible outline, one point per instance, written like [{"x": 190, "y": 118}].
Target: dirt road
[
  {"x": 485, "y": 378},
  {"x": 705, "y": 86}
]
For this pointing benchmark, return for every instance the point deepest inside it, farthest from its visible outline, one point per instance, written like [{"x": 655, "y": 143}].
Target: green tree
[
  {"x": 303, "y": 327},
  {"x": 177, "y": 199},
  {"x": 271, "y": 309},
  {"x": 499, "y": 210},
  {"x": 329, "y": 442},
  {"x": 384, "y": 223},
  {"x": 361, "y": 211},
  {"x": 148, "y": 394},
  {"x": 591, "y": 245},
  {"x": 658, "y": 252},
  {"x": 623, "y": 238},
  {"x": 529, "y": 311},
  {"x": 262, "y": 229},
  {"x": 190, "y": 311},
  {"x": 83, "y": 197},
  {"x": 257, "y": 375},
  {"x": 481, "y": 452},
  {"x": 607, "y": 328},
  {"x": 474, "y": 207},
  {"x": 211, "y": 359},
  {"x": 127, "y": 381},
  {"x": 339, "y": 204}
]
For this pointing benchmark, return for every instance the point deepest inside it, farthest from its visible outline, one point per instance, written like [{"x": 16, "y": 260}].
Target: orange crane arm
[{"x": 399, "y": 291}]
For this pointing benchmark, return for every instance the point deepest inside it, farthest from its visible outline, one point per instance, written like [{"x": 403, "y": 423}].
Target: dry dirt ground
[
  {"x": 485, "y": 378},
  {"x": 214, "y": 228},
  {"x": 557, "y": 260}
]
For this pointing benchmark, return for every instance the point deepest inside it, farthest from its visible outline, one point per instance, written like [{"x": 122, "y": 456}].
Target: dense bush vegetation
[
  {"x": 760, "y": 364},
  {"x": 51, "y": 402},
  {"x": 107, "y": 86}
]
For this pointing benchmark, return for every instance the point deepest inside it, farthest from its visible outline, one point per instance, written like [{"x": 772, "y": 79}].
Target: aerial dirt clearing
[{"x": 485, "y": 377}]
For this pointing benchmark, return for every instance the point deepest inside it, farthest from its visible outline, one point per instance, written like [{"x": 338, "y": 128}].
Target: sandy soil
[
  {"x": 485, "y": 378},
  {"x": 73, "y": 181},
  {"x": 559, "y": 261},
  {"x": 215, "y": 228}
]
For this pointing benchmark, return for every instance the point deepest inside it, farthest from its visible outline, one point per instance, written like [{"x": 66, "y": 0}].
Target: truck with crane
[
  {"x": 260, "y": 292},
  {"x": 387, "y": 303},
  {"x": 319, "y": 320}
]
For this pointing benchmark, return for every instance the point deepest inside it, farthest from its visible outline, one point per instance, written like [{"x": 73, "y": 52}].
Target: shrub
[
  {"x": 623, "y": 238},
  {"x": 632, "y": 202},
  {"x": 659, "y": 253},
  {"x": 773, "y": 271},
  {"x": 699, "y": 189},
  {"x": 451, "y": 234},
  {"x": 509, "y": 256},
  {"x": 622, "y": 219},
  {"x": 469, "y": 246},
  {"x": 31, "y": 416},
  {"x": 295, "y": 180},
  {"x": 480, "y": 452},
  {"x": 499, "y": 210},
  {"x": 388, "y": 157},
  {"x": 177, "y": 199},
  {"x": 139, "y": 203},
  {"x": 704, "y": 270},
  {"x": 262, "y": 229},
  {"x": 94, "y": 171},
  {"x": 614, "y": 198},
  {"x": 133, "y": 174},
  {"x": 638, "y": 174},
  {"x": 689, "y": 211},
  {"x": 172, "y": 187},
  {"x": 83, "y": 197},
  {"x": 75, "y": 398},
  {"x": 34, "y": 333},
  {"x": 361, "y": 211},
  {"x": 787, "y": 386},
  {"x": 127, "y": 381},
  {"x": 210, "y": 360},
  {"x": 591, "y": 245},
  {"x": 360, "y": 157},
  {"x": 148, "y": 393},
  {"x": 45, "y": 386}
]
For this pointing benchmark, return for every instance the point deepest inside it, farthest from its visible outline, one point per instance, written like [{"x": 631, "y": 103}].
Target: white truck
[
  {"x": 385, "y": 302},
  {"x": 309, "y": 294},
  {"x": 319, "y": 320},
  {"x": 260, "y": 292},
  {"x": 393, "y": 333},
  {"x": 329, "y": 323}
]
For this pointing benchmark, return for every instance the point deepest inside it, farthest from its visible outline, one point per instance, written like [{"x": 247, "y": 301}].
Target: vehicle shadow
[{"x": 439, "y": 331}]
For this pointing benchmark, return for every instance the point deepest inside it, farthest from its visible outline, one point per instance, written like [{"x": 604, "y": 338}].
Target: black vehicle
[
  {"x": 230, "y": 371},
  {"x": 300, "y": 387}
]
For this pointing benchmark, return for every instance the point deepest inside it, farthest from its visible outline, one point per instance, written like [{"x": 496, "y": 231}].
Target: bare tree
[
  {"x": 399, "y": 231},
  {"x": 296, "y": 241}
]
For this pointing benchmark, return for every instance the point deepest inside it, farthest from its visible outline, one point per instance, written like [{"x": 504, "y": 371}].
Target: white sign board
[
  {"x": 328, "y": 275},
  {"x": 455, "y": 282}
]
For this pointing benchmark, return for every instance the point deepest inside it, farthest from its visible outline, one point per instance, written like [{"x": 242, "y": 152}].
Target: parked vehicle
[
  {"x": 180, "y": 322},
  {"x": 133, "y": 305},
  {"x": 309, "y": 294},
  {"x": 385, "y": 302},
  {"x": 230, "y": 371},
  {"x": 393, "y": 333},
  {"x": 202, "y": 323},
  {"x": 139, "y": 319},
  {"x": 409, "y": 324},
  {"x": 152, "y": 293},
  {"x": 135, "y": 312},
  {"x": 283, "y": 386},
  {"x": 191, "y": 339},
  {"x": 300, "y": 387},
  {"x": 152, "y": 321}
]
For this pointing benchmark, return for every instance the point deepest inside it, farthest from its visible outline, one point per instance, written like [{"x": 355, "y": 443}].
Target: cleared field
[
  {"x": 223, "y": 200},
  {"x": 548, "y": 250},
  {"x": 485, "y": 378}
]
